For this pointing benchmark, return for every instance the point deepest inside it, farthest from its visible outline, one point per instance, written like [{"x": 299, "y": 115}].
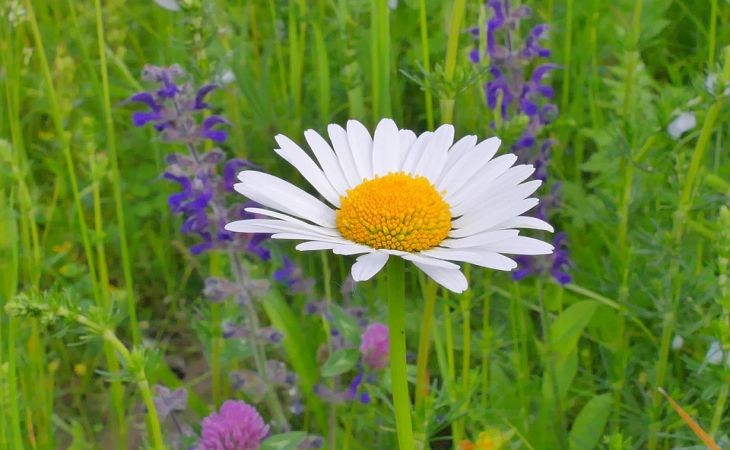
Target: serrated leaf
[
  {"x": 286, "y": 441},
  {"x": 340, "y": 362},
  {"x": 590, "y": 422},
  {"x": 345, "y": 324}
]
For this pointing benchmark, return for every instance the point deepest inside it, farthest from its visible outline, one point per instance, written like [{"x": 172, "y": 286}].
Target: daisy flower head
[{"x": 425, "y": 198}]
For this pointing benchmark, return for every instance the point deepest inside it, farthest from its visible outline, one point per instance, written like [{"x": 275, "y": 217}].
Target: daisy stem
[{"x": 398, "y": 370}]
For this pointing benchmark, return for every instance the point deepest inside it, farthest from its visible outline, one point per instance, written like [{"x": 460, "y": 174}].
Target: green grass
[{"x": 549, "y": 367}]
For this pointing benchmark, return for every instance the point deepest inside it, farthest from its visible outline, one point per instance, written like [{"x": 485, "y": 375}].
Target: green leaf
[
  {"x": 286, "y": 441},
  {"x": 565, "y": 370},
  {"x": 590, "y": 422},
  {"x": 340, "y": 362},
  {"x": 345, "y": 324},
  {"x": 569, "y": 325}
]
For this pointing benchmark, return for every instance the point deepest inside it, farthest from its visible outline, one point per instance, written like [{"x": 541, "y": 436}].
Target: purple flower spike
[
  {"x": 147, "y": 98},
  {"x": 230, "y": 172},
  {"x": 141, "y": 118},
  {"x": 374, "y": 346},
  {"x": 200, "y": 96},
  {"x": 238, "y": 426},
  {"x": 208, "y": 132}
]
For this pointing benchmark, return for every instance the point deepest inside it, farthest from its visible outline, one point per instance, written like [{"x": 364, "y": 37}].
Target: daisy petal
[
  {"x": 316, "y": 245},
  {"x": 532, "y": 223},
  {"x": 266, "y": 212},
  {"x": 338, "y": 136},
  {"x": 407, "y": 139},
  {"x": 361, "y": 146},
  {"x": 415, "y": 151},
  {"x": 281, "y": 195},
  {"x": 302, "y": 236},
  {"x": 351, "y": 249},
  {"x": 476, "y": 222},
  {"x": 457, "y": 151},
  {"x": 490, "y": 260},
  {"x": 434, "y": 157},
  {"x": 451, "y": 279},
  {"x": 274, "y": 226},
  {"x": 368, "y": 265},
  {"x": 475, "y": 163},
  {"x": 298, "y": 158},
  {"x": 472, "y": 187},
  {"x": 427, "y": 260},
  {"x": 520, "y": 245},
  {"x": 480, "y": 239},
  {"x": 386, "y": 148},
  {"x": 327, "y": 159}
]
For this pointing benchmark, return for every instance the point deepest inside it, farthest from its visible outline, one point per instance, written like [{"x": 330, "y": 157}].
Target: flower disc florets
[{"x": 395, "y": 212}]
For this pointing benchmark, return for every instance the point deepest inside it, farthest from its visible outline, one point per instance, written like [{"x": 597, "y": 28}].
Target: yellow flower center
[{"x": 395, "y": 212}]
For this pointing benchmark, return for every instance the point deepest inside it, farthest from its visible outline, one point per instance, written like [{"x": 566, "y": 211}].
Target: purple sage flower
[
  {"x": 238, "y": 426},
  {"x": 518, "y": 87}
]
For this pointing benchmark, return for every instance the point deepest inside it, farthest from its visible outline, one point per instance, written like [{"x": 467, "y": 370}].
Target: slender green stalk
[
  {"x": 116, "y": 180},
  {"x": 452, "y": 48},
  {"x": 398, "y": 370},
  {"x": 713, "y": 35},
  {"x": 423, "y": 25},
  {"x": 567, "y": 49}
]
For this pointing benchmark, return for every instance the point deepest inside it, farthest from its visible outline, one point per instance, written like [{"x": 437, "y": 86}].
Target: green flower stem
[
  {"x": 398, "y": 372},
  {"x": 116, "y": 179}
]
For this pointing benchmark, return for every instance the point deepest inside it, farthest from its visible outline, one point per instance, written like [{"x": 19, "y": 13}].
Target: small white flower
[
  {"x": 422, "y": 198},
  {"x": 683, "y": 123},
  {"x": 677, "y": 342},
  {"x": 714, "y": 354},
  {"x": 227, "y": 77},
  {"x": 392, "y": 4},
  {"x": 170, "y": 5}
]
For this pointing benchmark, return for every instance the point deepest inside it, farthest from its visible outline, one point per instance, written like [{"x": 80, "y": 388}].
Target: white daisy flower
[{"x": 422, "y": 198}]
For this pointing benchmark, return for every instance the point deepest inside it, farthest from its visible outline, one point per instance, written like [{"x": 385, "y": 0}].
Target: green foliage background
[{"x": 82, "y": 208}]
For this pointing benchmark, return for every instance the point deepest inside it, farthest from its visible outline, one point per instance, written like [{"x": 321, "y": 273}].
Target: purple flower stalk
[
  {"x": 181, "y": 114},
  {"x": 374, "y": 346},
  {"x": 175, "y": 111},
  {"x": 517, "y": 88},
  {"x": 238, "y": 426}
]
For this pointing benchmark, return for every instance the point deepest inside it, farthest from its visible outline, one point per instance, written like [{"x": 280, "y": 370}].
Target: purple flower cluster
[
  {"x": 374, "y": 345},
  {"x": 517, "y": 88},
  {"x": 175, "y": 110},
  {"x": 238, "y": 426}
]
